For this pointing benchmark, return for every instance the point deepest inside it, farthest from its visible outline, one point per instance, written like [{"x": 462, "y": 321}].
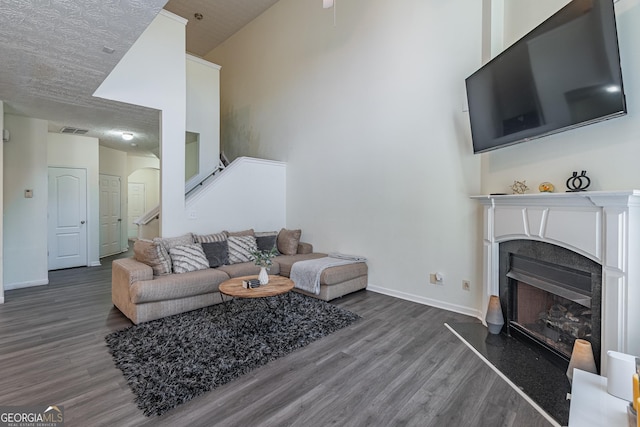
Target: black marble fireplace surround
[{"x": 582, "y": 275}]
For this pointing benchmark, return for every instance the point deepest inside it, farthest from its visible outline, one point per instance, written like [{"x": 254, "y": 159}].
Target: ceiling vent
[{"x": 74, "y": 131}]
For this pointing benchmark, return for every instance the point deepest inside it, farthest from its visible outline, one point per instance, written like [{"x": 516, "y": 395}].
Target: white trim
[
  {"x": 97, "y": 263},
  {"x": 468, "y": 311},
  {"x": 29, "y": 284},
  {"x": 202, "y": 61},
  {"x": 1, "y": 300},
  {"x": 224, "y": 174},
  {"x": 173, "y": 16},
  {"x": 504, "y": 377}
]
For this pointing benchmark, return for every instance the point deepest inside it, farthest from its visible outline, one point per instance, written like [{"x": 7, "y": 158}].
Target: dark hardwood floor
[{"x": 398, "y": 366}]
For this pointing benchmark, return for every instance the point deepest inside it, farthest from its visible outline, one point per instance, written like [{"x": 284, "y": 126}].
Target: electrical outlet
[
  {"x": 436, "y": 279},
  {"x": 466, "y": 285}
]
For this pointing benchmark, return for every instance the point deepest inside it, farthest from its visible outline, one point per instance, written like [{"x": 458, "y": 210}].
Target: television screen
[{"x": 563, "y": 74}]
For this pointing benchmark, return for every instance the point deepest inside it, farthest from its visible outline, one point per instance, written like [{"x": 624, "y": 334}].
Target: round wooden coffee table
[{"x": 277, "y": 285}]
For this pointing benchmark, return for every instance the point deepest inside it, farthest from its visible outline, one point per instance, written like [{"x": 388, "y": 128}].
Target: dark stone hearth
[
  {"x": 528, "y": 367},
  {"x": 172, "y": 360}
]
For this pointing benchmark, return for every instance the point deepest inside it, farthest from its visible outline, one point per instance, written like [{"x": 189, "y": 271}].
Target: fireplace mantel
[{"x": 601, "y": 225}]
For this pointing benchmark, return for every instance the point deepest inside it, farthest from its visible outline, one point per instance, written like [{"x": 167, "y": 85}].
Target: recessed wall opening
[{"x": 550, "y": 296}]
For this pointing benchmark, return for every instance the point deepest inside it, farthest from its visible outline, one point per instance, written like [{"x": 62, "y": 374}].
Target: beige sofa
[{"x": 142, "y": 297}]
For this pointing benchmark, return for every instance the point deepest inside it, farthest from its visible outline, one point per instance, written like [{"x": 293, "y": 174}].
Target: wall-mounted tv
[{"x": 563, "y": 74}]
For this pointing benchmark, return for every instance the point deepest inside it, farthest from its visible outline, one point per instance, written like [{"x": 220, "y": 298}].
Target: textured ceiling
[
  {"x": 52, "y": 58},
  {"x": 221, "y": 19}
]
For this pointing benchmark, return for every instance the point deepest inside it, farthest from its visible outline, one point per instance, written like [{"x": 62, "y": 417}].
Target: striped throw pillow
[
  {"x": 240, "y": 248},
  {"x": 186, "y": 258},
  {"x": 210, "y": 238}
]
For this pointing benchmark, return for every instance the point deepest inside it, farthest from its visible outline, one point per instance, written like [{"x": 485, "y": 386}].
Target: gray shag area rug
[{"x": 172, "y": 360}]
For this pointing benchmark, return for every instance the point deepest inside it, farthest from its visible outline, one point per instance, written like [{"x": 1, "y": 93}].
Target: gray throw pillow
[
  {"x": 217, "y": 253},
  {"x": 267, "y": 240}
]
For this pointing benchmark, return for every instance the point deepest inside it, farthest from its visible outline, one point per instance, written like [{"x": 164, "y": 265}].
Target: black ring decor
[{"x": 578, "y": 182}]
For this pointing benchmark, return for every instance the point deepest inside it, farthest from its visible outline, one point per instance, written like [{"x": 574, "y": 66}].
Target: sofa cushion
[
  {"x": 210, "y": 238},
  {"x": 176, "y": 286},
  {"x": 246, "y": 269},
  {"x": 240, "y": 248},
  {"x": 288, "y": 241},
  {"x": 186, "y": 258},
  {"x": 286, "y": 261},
  {"x": 152, "y": 254},
  {"x": 342, "y": 273},
  {"x": 217, "y": 253}
]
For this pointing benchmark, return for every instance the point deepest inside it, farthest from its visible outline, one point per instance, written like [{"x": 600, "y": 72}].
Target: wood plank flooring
[{"x": 398, "y": 366}]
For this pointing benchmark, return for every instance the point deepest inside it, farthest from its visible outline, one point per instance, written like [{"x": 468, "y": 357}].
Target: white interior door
[
  {"x": 110, "y": 216},
  {"x": 137, "y": 206},
  {"x": 67, "y": 222}
]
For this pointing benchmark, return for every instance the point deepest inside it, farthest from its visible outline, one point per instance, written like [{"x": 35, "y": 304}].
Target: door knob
[{"x": 81, "y": 222}]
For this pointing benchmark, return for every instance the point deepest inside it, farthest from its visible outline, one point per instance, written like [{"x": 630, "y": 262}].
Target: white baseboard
[
  {"x": 1, "y": 300},
  {"x": 95, "y": 264},
  {"x": 20, "y": 285},
  {"x": 468, "y": 311}
]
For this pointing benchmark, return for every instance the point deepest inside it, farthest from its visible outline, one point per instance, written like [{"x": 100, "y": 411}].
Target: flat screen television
[{"x": 565, "y": 73}]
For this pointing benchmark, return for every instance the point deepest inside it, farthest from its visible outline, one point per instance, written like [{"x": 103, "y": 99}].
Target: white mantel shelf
[
  {"x": 601, "y": 225},
  {"x": 595, "y": 196}
]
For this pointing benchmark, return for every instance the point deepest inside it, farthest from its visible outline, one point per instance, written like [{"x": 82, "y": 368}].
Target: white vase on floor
[{"x": 263, "y": 276}]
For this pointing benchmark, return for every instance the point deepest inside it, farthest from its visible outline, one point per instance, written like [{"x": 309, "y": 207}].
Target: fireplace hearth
[{"x": 550, "y": 296}]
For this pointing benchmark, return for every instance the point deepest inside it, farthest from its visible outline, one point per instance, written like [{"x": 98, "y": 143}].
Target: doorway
[
  {"x": 110, "y": 215},
  {"x": 67, "y": 228}
]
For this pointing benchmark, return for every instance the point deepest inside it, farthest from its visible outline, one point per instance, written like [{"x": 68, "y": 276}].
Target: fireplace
[
  {"x": 602, "y": 227},
  {"x": 550, "y": 296}
]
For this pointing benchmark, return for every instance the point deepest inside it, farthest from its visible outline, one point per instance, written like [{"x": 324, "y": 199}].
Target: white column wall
[
  {"x": 153, "y": 74},
  {"x": 203, "y": 111},
  {"x": 25, "y": 220}
]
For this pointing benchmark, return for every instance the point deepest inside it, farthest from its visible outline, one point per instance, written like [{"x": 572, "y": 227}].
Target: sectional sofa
[{"x": 171, "y": 276}]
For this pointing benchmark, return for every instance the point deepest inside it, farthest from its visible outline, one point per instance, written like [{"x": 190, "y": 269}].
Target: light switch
[{"x": 28, "y": 194}]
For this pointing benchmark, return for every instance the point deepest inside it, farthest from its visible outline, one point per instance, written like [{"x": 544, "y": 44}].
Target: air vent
[{"x": 74, "y": 131}]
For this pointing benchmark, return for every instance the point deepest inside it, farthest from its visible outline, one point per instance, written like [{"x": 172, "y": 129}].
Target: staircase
[{"x": 225, "y": 198}]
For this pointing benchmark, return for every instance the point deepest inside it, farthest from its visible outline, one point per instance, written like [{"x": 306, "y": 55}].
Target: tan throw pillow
[
  {"x": 288, "y": 241},
  {"x": 154, "y": 255},
  {"x": 248, "y": 232}
]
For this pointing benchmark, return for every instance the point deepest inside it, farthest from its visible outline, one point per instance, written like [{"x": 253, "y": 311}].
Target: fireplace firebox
[{"x": 550, "y": 296}]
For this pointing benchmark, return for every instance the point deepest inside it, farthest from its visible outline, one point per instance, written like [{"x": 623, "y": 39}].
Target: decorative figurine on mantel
[
  {"x": 546, "y": 187},
  {"x": 577, "y": 182},
  {"x": 519, "y": 187}
]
